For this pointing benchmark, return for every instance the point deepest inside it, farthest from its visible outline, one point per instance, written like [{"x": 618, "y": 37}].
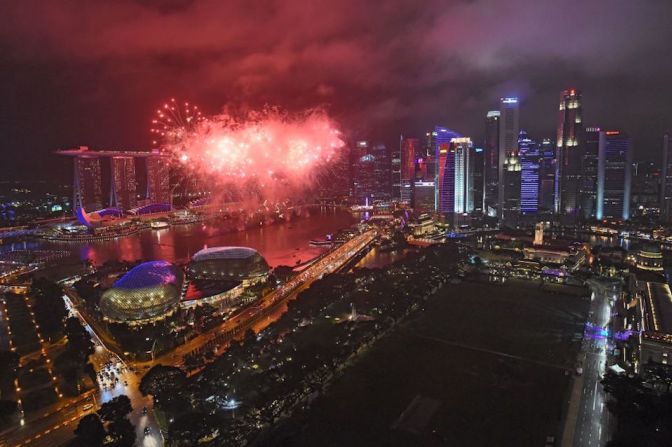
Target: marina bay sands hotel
[{"x": 123, "y": 191}]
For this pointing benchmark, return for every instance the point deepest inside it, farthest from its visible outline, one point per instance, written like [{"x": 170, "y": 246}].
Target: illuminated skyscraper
[
  {"x": 477, "y": 184},
  {"x": 445, "y": 169},
  {"x": 158, "y": 179},
  {"x": 547, "y": 183},
  {"x": 666, "y": 180},
  {"x": 464, "y": 174},
  {"x": 395, "y": 164},
  {"x": 362, "y": 173},
  {"x": 509, "y": 161},
  {"x": 569, "y": 153},
  {"x": 382, "y": 167},
  {"x": 491, "y": 168},
  {"x": 588, "y": 187},
  {"x": 529, "y": 177},
  {"x": 613, "y": 175},
  {"x": 87, "y": 190},
  {"x": 410, "y": 150},
  {"x": 123, "y": 184}
]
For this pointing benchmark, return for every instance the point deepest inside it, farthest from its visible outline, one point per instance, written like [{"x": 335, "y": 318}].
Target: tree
[
  {"x": 121, "y": 433},
  {"x": 50, "y": 310},
  {"x": 115, "y": 409},
  {"x": 7, "y": 410},
  {"x": 191, "y": 427},
  {"x": 89, "y": 432},
  {"x": 79, "y": 341},
  {"x": 162, "y": 379}
]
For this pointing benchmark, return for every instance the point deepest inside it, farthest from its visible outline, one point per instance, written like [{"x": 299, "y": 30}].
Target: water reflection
[{"x": 281, "y": 243}]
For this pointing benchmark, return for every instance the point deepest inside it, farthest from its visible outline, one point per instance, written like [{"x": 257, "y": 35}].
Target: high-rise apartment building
[
  {"x": 613, "y": 175},
  {"x": 529, "y": 174},
  {"x": 569, "y": 153},
  {"x": 509, "y": 160},
  {"x": 491, "y": 168}
]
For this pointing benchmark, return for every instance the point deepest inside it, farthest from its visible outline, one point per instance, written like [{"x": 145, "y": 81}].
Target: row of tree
[{"x": 109, "y": 427}]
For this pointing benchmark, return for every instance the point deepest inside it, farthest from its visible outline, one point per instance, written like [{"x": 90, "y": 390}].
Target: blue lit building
[
  {"x": 146, "y": 293},
  {"x": 613, "y": 175},
  {"x": 529, "y": 176}
]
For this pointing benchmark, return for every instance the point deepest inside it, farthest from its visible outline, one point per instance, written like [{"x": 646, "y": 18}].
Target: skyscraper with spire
[{"x": 569, "y": 153}]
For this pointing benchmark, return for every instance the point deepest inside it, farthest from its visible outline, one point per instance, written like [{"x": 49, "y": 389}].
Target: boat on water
[{"x": 159, "y": 224}]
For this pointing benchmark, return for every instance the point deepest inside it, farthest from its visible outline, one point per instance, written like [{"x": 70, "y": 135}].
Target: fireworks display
[
  {"x": 174, "y": 121},
  {"x": 270, "y": 152}
]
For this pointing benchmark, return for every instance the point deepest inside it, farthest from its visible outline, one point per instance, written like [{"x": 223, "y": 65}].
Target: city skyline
[{"x": 92, "y": 91}]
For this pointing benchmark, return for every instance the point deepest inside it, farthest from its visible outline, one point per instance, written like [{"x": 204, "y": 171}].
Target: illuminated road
[
  {"x": 115, "y": 378},
  {"x": 249, "y": 317},
  {"x": 56, "y": 427},
  {"x": 588, "y": 420}
]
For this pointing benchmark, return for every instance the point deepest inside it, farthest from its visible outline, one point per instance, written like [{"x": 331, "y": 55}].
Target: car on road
[
  {"x": 579, "y": 371},
  {"x": 147, "y": 431}
]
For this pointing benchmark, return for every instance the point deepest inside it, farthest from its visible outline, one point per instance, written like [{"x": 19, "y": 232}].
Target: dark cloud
[{"x": 90, "y": 72}]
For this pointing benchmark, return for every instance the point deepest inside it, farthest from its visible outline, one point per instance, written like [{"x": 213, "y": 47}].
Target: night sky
[{"x": 92, "y": 72}]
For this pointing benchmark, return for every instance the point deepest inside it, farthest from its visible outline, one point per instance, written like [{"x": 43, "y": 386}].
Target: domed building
[
  {"x": 242, "y": 264},
  {"x": 649, "y": 257},
  {"x": 147, "y": 292}
]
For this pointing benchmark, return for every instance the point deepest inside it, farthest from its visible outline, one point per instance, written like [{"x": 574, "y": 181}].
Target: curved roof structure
[
  {"x": 148, "y": 274},
  {"x": 147, "y": 292},
  {"x": 224, "y": 253},
  {"x": 227, "y": 263}
]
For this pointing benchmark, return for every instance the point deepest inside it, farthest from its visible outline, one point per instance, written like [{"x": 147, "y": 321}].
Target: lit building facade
[
  {"x": 410, "y": 150},
  {"x": 491, "y": 168},
  {"x": 146, "y": 293},
  {"x": 158, "y": 179},
  {"x": 613, "y": 175},
  {"x": 123, "y": 184},
  {"x": 509, "y": 160},
  {"x": 87, "y": 188},
  {"x": 423, "y": 196},
  {"x": 529, "y": 174},
  {"x": 478, "y": 179},
  {"x": 463, "y": 149},
  {"x": 666, "y": 180},
  {"x": 363, "y": 173},
  {"x": 395, "y": 165},
  {"x": 547, "y": 181},
  {"x": 569, "y": 152},
  {"x": 589, "y": 161},
  {"x": 444, "y": 177},
  {"x": 381, "y": 167}
]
